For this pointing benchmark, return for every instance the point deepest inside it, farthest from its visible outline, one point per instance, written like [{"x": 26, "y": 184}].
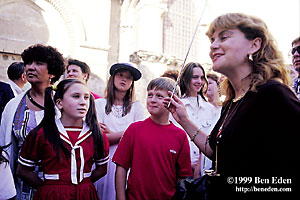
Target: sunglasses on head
[{"x": 297, "y": 48}]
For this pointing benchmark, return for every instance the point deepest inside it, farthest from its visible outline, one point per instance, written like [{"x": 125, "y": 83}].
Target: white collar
[
  {"x": 186, "y": 101},
  {"x": 82, "y": 136},
  {"x": 15, "y": 88}
]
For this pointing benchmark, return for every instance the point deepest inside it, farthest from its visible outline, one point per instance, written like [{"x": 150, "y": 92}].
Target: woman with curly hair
[
  {"x": 44, "y": 65},
  {"x": 257, "y": 134}
]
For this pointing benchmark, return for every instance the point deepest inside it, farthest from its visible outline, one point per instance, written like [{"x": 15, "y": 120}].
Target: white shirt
[
  {"x": 15, "y": 88},
  {"x": 203, "y": 114},
  {"x": 7, "y": 125},
  {"x": 116, "y": 123},
  {"x": 7, "y": 185}
]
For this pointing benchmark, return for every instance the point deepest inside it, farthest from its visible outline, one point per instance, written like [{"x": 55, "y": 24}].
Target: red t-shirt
[{"x": 157, "y": 155}]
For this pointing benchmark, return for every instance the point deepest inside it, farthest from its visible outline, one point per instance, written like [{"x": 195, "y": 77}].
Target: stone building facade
[{"x": 152, "y": 34}]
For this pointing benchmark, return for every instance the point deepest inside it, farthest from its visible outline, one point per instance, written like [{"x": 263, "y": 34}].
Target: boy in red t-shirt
[{"x": 156, "y": 152}]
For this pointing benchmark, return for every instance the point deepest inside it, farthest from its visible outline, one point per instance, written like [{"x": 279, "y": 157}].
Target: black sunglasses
[{"x": 296, "y": 49}]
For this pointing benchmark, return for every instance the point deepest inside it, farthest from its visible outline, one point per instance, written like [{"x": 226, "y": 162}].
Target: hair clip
[{"x": 54, "y": 87}]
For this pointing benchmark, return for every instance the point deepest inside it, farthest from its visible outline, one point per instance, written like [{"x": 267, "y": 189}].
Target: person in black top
[
  {"x": 6, "y": 94},
  {"x": 255, "y": 142}
]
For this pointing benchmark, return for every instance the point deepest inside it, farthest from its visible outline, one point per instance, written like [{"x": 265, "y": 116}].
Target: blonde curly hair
[{"x": 267, "y": 62}]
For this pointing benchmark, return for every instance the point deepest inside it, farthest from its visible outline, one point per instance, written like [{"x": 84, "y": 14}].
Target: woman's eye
[{"x": 223, "y": 38}]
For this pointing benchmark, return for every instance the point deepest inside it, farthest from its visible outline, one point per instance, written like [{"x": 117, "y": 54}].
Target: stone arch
[
  {"x": 75, "y": 27},
  {"x": 18, "y": 32},
  {"x": 26, "y": 22}
]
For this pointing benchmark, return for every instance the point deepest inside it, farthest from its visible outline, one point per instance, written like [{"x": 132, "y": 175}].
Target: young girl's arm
[
  {"x": 113, "y": 137},
  {"x": 99, "y": 172},
  {"x": 27, "y": 174},
  {"x": 121, "y": 174}
]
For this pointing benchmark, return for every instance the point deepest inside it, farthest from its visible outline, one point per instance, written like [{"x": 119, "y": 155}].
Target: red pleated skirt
[{"x": 53, "y": 191}]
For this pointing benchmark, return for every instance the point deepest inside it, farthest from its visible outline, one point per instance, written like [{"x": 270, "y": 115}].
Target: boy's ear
[
  {"x": 58, "y": 104},
  {"x": 84, "y": 77}
]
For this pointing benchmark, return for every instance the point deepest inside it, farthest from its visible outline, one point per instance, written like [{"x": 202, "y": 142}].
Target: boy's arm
[{"x": 120, "y": 180}]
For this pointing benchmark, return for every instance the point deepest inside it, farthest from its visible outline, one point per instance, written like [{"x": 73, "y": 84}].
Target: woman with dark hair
[
  {"x": 65, "y": 147},
  {"x": 257, "y": 135},
  {"x": 193, "y": 86},
  {"x": 115, "y": 113},
  {"x": 44, "y": 65}
]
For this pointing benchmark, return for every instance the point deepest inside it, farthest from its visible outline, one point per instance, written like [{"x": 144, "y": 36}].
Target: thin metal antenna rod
[{"x": 183, "y": 64}]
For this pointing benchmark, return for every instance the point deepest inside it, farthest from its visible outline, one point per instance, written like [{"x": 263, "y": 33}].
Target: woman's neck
[
  {"x": 119, "y": 100},
  {"x": 38, "y": 90},
  {"x": 37, "y": 94},
  {"x": 241, "y": 87},
  {"x": 214, "y": 100},
  {"x": 66, "y": 121},
  {"x": 191, "y": 94},
  {"x": 240, "y": 81}
]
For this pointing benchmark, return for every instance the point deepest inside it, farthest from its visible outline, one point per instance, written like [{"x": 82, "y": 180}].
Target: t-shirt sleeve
[
  {"x": 29, "y": 155},
  {"x": 184, "y": 162},
  {"x": 123, "y": 154},
  {"x": 105, "y": 157}
]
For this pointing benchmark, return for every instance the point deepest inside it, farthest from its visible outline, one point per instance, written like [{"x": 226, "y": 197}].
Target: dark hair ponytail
[
  {"x": 50, "y": 129},
  {"x": 51, "y": 132},
  {"x": 92, "y": 122},
  {"x": 48, "y": 124}
]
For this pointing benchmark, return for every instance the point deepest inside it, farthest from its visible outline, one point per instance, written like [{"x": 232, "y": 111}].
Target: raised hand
[{"x": 176, "y": 108}]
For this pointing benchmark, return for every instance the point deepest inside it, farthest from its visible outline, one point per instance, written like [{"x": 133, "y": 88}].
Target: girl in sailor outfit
[{"x": 66, "y": 147}]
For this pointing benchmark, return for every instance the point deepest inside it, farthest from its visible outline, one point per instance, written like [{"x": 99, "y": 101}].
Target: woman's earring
[{"x": 250, "y": 57}]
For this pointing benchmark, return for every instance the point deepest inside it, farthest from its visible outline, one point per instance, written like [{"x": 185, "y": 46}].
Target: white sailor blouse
[{"x": 72, "y": 169}]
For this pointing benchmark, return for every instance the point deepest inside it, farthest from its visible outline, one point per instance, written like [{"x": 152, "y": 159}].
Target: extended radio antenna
[{"x": 187, "y": 54}]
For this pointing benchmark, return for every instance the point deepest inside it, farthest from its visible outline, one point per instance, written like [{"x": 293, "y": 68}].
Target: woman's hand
[
  {"x": 104, "y": 128},
  {"x": 113, "y": 137},
  {"x": 179, "y": 113},
  {"x": 177, "y": 109}
]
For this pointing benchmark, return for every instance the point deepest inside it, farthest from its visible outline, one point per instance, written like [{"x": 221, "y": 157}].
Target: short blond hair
[{"x": 163, "y": 83}]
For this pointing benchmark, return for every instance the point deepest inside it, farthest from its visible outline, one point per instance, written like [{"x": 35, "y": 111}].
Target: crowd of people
[{"x": 59, "y": 140}]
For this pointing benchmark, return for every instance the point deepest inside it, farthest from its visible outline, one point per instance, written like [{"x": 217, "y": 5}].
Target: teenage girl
[
  {"x": 65, "y": 147},
  {"x": 115, "y": 113},
  {"x": 193, "y": 85}
]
